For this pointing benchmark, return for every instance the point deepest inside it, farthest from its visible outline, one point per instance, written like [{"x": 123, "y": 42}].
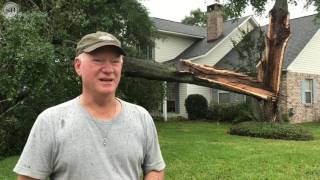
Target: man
[{"x": 96, "y": 135}]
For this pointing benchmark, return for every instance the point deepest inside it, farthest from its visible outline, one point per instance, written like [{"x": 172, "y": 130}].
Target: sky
[{"x": 176, "y": 10}]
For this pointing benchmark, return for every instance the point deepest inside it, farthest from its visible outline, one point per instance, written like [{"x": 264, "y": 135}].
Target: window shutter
[
  {"x": 314, "y": 85},
  {"x": 177, "y": 98},
  {"x": 303, "y": 90}
]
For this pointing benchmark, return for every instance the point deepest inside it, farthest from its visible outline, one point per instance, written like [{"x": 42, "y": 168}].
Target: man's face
[{"x": 100, "y": 70}]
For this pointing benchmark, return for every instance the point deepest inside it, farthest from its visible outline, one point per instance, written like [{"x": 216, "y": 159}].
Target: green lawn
[
  {"x": 203, "y": 150},
  {"x": 6, "y": 167}
]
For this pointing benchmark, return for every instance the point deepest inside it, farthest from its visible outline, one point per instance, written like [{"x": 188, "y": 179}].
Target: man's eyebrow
[{"x": 96, "y": 58}]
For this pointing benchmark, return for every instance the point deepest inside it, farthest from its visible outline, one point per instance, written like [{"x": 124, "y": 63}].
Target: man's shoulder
[
  {"x": 134, "y": 107},
  {"x": 137, "y": 113}
]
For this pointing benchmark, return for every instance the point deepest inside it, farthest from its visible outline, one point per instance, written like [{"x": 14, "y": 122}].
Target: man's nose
[{"x": 107, "y": 67}]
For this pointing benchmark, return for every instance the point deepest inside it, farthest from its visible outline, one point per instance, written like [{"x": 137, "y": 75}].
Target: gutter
[{"x": 181, "y": 34}]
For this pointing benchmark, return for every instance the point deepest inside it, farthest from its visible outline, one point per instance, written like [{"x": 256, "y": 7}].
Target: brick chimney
[{"x": 215, "y": 22}]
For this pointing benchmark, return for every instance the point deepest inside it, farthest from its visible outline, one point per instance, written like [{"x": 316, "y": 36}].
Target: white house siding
[
  {"x": 221, "y": 50},
  {"x": 187, "y": 89},
  {"x": 308, "y": 60},
  {"x": 204, "y": 91},
  {"x": 182, "y": 96},
  {"x": 169, "y": 46}
]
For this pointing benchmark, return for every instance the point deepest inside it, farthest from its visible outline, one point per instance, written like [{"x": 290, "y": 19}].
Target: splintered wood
[{"x": 233, "y": 81}]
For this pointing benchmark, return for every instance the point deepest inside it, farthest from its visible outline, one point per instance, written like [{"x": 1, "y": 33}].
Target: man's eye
[
  {"x": 115, "y": 60},
  {"x": 97, "y": 60}
]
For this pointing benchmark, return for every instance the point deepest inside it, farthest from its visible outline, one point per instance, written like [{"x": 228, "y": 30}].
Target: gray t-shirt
[{"x": 66, "y": 142}]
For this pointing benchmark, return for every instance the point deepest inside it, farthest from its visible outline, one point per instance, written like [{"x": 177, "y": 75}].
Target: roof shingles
[{"x": 176, "y": 27}]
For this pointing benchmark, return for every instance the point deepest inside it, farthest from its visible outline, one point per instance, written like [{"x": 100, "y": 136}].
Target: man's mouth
[{"x": 106, "y": 79}]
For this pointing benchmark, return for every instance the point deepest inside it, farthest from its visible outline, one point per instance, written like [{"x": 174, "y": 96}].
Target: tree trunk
[{"x": 276, "y": 42}]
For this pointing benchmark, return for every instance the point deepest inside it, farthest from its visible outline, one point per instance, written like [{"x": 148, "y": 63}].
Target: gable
[
  {"x": 203, "y": 47},
  {"x": 221, "y": 49},
  {"x": 169, "y": 46},
  {"x": 308, "y": 60},
  {"x": 303, "y": 29}
]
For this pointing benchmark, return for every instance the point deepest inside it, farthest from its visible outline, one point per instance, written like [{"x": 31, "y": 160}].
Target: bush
[
  {"x": 230, "y": 112},
  {"x": 11, "y": 137},
  {"x": 196, "y": 106},
  {"x": 271, "y": 130},
  {"x": 285, "y": 117}
]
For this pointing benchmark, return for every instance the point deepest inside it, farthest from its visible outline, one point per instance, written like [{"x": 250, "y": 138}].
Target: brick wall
[
  {"x": 291, "y": 97},
  {"x": 214, "y": 26},
  {"x": 214, "y": 22}
]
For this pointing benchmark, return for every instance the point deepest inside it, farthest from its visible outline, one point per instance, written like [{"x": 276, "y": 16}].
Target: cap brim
[{"x": 101, "y": 44}]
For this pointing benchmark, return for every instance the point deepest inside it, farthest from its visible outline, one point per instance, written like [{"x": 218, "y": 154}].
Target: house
[{"x": 213, "y": 45}]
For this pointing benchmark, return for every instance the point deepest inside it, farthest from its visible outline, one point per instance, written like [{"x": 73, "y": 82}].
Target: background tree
[
  {"x": 250, "y": 51},
  {"x": 37, "y": 48},
  {"x": 196, "y": 18}
]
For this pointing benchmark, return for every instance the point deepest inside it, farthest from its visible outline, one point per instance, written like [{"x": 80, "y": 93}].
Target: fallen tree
[
  {"x": 197, "y": 74},
  {"x": 265, "y": 87}
]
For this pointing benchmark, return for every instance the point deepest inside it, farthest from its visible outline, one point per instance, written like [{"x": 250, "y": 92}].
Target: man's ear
[{"x": 77, "y": 65}]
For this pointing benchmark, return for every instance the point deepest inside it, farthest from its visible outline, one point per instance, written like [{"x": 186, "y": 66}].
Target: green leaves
[
  {"x": 196, "y": 18},
  {"x": 24, "y": 54}
]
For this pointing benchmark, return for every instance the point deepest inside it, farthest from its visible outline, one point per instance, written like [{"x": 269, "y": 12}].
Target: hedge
[{"x": 271, "y": 130}]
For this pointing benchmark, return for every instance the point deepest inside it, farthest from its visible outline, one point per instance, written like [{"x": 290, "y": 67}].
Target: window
[
  {"x": 223, "y": 97},
  {"x": 171, "y": 106},
  {"x": 308, "y": 91},
  {"x": 146, "y": 52},
  {"x": 172, "y": 95}
]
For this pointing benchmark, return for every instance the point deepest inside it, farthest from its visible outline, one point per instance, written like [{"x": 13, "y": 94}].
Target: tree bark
[{"x": 276, "y": 42}]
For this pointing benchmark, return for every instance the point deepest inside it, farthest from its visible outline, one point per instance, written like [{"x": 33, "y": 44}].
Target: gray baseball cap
[{"x": 90, "y": 42}]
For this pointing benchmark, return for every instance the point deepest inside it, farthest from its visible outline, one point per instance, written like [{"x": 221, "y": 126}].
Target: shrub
[
  {"x": 11, "y": 137},
  {"x": 285, "y": 117},
  {"x": 230, "y": 112},
  {"x": 196, "y": 106},
  {"x": 271, "y": 130}
]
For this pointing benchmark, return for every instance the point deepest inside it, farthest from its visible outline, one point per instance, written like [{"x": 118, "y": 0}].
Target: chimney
[{"x": 215, "y": 22}]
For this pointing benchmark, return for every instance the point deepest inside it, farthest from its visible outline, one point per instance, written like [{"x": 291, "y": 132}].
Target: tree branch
[
  {"x": 12, "y": 107},
  {"x": 201, "y": 75},
  {"x": 34, "y": 4}
]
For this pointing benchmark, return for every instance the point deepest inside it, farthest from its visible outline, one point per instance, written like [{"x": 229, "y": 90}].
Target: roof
[{"x": 179, "y": 28}]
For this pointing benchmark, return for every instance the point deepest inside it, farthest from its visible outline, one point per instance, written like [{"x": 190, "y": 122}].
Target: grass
[
  {"x": 6, "y": 167},
  {"x": 204, "y": 150}
]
